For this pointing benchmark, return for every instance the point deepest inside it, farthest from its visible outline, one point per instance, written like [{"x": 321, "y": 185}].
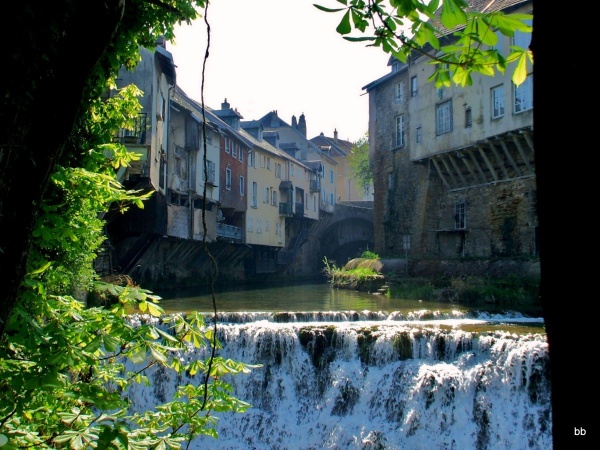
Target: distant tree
[{"x": 359, "y": 162}]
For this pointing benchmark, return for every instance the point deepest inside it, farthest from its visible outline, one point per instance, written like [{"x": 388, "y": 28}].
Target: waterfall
[{"x": 367, "y": 381}]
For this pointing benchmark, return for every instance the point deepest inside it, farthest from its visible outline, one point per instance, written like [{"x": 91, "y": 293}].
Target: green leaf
[
  {"x": 344, "y": 26},
  {"x": 137, "y": 354},
  {"x": 331, "y": 10},
  {"x": 520, "y": 73},
  {"x": 452, "y": 15}
]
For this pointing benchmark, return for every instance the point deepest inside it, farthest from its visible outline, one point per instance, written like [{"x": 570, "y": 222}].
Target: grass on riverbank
[{"x": 509, "y": 292}]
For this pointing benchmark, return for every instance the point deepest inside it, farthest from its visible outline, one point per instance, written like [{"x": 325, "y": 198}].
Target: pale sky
[{"x": 282, "y": 55}]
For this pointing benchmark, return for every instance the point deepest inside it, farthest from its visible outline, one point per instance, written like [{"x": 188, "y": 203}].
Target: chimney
[
  {"x": 302, "y": 125},
  {"x": 335, "y": 136},
  {"x": 225, "y": 105},
  {"x": 162, "y": 41}
]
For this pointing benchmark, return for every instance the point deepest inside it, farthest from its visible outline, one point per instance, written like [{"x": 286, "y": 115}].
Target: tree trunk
[{"x": 51, "y": 51}]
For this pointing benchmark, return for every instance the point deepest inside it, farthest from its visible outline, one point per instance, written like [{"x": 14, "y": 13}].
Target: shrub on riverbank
[{"x": 508, "y": 292}]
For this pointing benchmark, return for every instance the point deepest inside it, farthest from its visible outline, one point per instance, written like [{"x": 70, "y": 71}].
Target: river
[{"x": 350, "y": 370}]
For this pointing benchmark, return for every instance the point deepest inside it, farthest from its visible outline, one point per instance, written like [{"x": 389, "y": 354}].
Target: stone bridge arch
[{"x": 348, "y": 232}]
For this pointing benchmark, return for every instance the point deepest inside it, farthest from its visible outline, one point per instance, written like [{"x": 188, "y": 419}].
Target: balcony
[
  {"x": 286, "y": 209},
  {"x": 137, "y": 135},
  {"x": 229, "y": 232},
  {"x": 315, "y": 185},
  {"x": 299, "y": 211}
]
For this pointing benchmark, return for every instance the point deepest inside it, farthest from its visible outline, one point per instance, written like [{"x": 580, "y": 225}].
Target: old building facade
[{"x": 454, "y": 167}]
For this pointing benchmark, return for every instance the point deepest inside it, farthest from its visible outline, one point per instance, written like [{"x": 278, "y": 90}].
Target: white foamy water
[{"x": 379, "y": 384}]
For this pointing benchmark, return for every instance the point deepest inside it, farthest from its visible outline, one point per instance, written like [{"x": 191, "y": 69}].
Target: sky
[{"x": 282, "y": 55}]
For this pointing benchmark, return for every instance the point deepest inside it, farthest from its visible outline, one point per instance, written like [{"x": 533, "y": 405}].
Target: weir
[{"x": 360, "y": 380}]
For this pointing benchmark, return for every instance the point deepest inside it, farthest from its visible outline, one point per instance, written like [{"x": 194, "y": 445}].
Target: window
[
  {"x": 468, "y": 118},
  {"x": 414, "y": 90},
  {"x": 523, "y": 95},
  {"x": 254, "y": 199},
  {"x": 390, "y": 181},
  {"x": 399, "y": 132},
  {"x": 399, "y": 92},
  {"x": 234, "y": 149},
  {"x": 263, "y": 160},
  {"x": 443, "y": 118},
  {"x": 180, "y": 162},
  {"x": 274, "y": 197},
  {"x": 292, "y": 170},
  {"x": 331, "y": 178},
  {"x": 267, "y": 225},
  {"x": 250, "y": 224},
  {"x": 251, "y": 159},
  {"x": 242, "y": 186},
  {"x": 522, "y": 39},
  {"x": 228, "y": 179},
  {"x": 269, "y": 163},
  {"x": 440, "y": 93},
  {"x": 241, "y": 157},
  {"x": 331, "y": 199},
  {"x": 266, "y": 195},
  {"x": 306, "y": 202},
  {"x": 210, "y": 172},
  {"x": 227, "y": 145},
  {"x": 278, "y": 170},
  {"x": 497, "y": 102},
  {"x": 460, "y": 219},
  {"x": 419, "y": 135}
]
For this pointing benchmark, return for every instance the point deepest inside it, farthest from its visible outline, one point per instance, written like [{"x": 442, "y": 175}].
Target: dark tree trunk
[{"x": 49, "y": 53}]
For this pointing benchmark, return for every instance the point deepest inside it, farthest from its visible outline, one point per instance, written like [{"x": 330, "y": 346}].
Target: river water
[{"x": 350, "y": 370}]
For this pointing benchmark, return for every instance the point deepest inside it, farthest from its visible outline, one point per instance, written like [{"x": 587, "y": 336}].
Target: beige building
[
  {"x": 454, "y": 167},
  {"x": 292, "y": 140}
]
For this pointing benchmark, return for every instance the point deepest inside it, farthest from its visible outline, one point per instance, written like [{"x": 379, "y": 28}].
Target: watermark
[{"x": 579, "y": 431}]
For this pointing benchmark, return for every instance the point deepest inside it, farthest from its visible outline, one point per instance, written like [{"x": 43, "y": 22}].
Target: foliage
[
  {"x": 334, "y": 273},
  {"x": 367, "y": 254},
  {"x": 489, "y": 292},
  {"x": 403, "y": 27},
  {"x": 65, "y": 367},
  {"x": 359, "y": 163}
]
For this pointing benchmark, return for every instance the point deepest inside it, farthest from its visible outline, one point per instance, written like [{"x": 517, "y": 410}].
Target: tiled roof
[{"x": 339, "y": 148}]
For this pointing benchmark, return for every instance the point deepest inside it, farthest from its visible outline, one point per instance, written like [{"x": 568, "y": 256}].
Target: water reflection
[{"x": 299, "y": 297}]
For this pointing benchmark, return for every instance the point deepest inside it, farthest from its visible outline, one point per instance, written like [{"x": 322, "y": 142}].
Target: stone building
[{"x": 454, "y": 167}]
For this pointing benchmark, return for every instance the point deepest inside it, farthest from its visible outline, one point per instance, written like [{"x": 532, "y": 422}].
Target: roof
[{"x": 336, "y": 146}]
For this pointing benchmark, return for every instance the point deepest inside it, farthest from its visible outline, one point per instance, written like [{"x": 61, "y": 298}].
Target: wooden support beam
[
  {"x": 469, "y": 167},
  {"x": 454, "y": 182},
  {"x": 440, "y": 173},
  {"x": 517, "y": 142},
  {"x": 498, "y": 159},
  {"x": 476, "y": 164},
  {"x": 487, "y": 163},
  {"x": 510, "y": 158},
  {"x": 453, "y": 161}
]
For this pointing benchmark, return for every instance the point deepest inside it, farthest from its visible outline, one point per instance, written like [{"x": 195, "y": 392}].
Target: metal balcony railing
[
  {"x": 315, "y": 185},
  {"x": 225, "y": 231},
  {"x": 137, "y": 135}
]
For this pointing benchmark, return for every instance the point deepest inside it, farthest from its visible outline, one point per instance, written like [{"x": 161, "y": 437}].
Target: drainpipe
[{"x": 167, "y": 120}]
